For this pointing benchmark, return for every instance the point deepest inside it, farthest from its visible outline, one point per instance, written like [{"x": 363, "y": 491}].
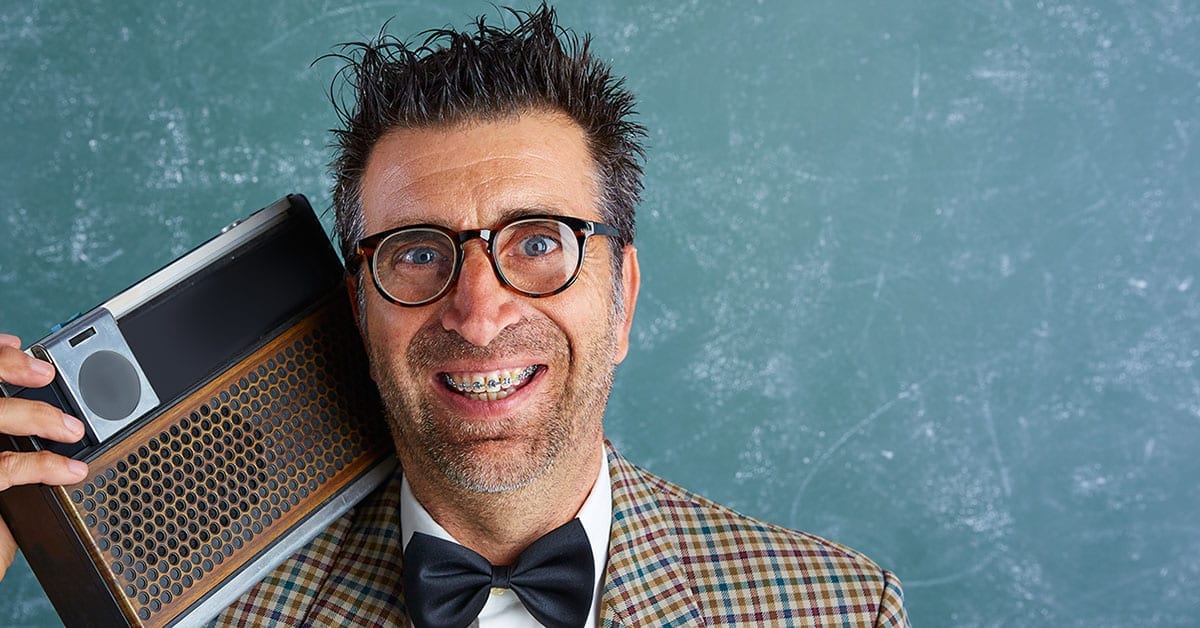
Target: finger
[
  {"x": 24, "y": 417},
  {"x": 41, "y": 467},
  {"x": 10, "y": 340},
  {"x": 16, "y": 367},
  {"x": 8, "y": 549}
]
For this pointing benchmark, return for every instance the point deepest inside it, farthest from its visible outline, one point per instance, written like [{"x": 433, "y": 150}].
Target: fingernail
[
  {"x": 79, "y": 469},
  {"x": 74, "y": 425},
  {"x": 43, "y": 368}
]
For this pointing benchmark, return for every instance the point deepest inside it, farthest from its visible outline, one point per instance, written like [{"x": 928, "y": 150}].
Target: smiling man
[
  {"x": 495, "y": 396},
  {"x": 485, "y": 193}
]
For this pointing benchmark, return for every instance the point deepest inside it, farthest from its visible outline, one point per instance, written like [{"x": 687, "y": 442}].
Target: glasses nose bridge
[{"x": 488, "y": 237}]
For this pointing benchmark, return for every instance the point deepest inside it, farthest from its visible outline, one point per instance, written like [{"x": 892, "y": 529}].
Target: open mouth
[{"x": 489, "y": 386}]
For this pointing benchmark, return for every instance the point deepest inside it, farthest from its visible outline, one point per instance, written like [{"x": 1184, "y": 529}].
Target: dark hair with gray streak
[{"x": 491, "y": 73}]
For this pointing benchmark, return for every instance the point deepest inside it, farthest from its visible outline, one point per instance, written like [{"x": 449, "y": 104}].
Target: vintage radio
[{"x": 230, "y": 418}]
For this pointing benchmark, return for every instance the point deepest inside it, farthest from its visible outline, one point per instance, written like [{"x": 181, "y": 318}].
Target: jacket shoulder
[
  {"x": 349, "y": 573},
  {"x": 743, "y": 570},
  {"x": 703, "y": 525}
]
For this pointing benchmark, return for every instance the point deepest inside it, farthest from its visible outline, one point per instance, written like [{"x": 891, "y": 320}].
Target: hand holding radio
[
  {"x": 225, "y": 414},
  {"x": 31, "y": 418}
]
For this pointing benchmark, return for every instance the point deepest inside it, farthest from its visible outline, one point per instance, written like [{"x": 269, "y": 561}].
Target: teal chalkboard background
[{"x": 921, "y": 277}]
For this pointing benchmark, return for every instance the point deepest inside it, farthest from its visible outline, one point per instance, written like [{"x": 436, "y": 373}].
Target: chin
[
  {"x": 496, "y": 466},
  {"x": 498, "y": 457}
]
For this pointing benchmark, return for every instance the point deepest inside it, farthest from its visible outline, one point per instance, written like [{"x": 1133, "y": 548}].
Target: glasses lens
[
  {"x": 537, "y": 256},
  {"x": 414, "y": 265}
]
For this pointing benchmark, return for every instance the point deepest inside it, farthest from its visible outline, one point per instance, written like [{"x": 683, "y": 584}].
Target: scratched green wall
[{"x": 918, "y": 276}]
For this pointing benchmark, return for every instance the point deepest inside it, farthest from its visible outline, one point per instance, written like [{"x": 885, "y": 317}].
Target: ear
[
  {"x": 360, "y": 318},
  {"x": 355, "y": 306},
  {"x": 631, "y": 277}
]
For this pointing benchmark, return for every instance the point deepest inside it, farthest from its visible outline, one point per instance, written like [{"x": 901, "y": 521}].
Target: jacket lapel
[
  {"x": 645, "y": 581},
  {"x": 363, "y": 584}
]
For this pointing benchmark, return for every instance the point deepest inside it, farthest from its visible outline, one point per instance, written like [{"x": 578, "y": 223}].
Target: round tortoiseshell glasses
[{"x": 537, "y": 256}]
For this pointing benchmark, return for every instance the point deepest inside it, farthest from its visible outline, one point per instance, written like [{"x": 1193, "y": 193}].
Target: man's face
[{"x": 559, "y": 350}]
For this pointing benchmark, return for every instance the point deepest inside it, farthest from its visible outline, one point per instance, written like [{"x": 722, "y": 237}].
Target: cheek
[
  {"x": 590, "y": 330},
  {"x": 587, "y": 315},
  {"x": 386, "y": 333}
]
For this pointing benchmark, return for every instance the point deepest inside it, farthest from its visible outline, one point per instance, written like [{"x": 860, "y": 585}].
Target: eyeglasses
[{"x": 537, "y": 256}]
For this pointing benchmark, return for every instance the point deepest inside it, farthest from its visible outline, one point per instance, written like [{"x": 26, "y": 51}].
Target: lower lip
[{"x": 484, "y": 410}]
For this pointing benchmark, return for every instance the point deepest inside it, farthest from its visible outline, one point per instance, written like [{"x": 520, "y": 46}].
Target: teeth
[{"x": 489, "y": 386}]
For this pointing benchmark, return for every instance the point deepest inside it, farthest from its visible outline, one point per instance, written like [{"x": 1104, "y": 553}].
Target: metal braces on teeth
[{"x": 479, "y": 387}]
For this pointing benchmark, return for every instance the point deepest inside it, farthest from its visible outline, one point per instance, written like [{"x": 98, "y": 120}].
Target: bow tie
[{"x": 446, "y": 584}]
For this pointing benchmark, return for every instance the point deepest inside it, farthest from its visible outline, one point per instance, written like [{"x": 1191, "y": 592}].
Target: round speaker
[{"x": 108, "y": 383}]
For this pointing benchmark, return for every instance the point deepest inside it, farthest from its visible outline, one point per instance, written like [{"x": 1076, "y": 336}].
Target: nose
[{"x": 478, "y": 307}]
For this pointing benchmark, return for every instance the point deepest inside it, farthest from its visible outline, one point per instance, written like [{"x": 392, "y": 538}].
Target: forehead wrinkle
[
  {"x": 451, "y": 150},
  {"x": 485, "y": 209},
  {"x": 497, "y": 194},
  {"x": 445, "y": 175}
]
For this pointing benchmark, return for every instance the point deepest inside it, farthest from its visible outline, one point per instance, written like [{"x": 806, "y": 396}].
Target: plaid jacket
[{"x": 675, "y": 559}]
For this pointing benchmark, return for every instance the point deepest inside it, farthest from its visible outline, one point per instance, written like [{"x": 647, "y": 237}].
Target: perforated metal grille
[{"x": 188, "y": 502}]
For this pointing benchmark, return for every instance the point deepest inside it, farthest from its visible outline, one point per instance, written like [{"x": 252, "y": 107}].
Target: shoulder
[
  {"x": 349, "y": 573},
  {"x": 703, "y": 525},
  {"x": 743, "y": 565}
]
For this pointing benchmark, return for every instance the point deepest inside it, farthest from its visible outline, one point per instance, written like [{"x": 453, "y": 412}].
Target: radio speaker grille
[{"x": 204, "y": 487}]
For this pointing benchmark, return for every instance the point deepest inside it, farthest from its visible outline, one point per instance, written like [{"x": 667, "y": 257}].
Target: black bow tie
[{"x": 446, "y": 584}]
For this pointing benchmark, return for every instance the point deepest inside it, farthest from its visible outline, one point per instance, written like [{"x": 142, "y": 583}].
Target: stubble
[{"x": 466, "y": 453}]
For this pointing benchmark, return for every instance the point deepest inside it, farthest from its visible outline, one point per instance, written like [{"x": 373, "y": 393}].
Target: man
[{"x": 485, "y": 190}]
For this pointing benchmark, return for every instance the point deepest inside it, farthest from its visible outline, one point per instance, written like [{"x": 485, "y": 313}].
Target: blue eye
[
  {"x": 538, "y": 245},
  {"x": 420, "y": 256}
]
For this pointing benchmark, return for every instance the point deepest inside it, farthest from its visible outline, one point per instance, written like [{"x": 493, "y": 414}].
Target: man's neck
[{"x": 499, "y": 526}]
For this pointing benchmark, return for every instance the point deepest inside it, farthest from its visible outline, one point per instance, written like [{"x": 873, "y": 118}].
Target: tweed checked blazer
[{"x": 675, "y": 559}]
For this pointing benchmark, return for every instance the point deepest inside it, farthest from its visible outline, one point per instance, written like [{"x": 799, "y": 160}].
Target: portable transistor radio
[{"x": 230, "y": 417}]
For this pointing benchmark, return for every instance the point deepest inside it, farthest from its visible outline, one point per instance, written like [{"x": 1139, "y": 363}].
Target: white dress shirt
[{"x": 503, "y": 609}]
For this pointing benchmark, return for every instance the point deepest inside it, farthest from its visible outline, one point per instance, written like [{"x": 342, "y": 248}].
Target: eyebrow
[
  {"x": 506, "y": 216},
  {"x": 510, "y": 215}
]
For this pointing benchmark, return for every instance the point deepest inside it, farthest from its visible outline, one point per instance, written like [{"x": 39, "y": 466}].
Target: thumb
[{"x": 8, "y": 549}]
